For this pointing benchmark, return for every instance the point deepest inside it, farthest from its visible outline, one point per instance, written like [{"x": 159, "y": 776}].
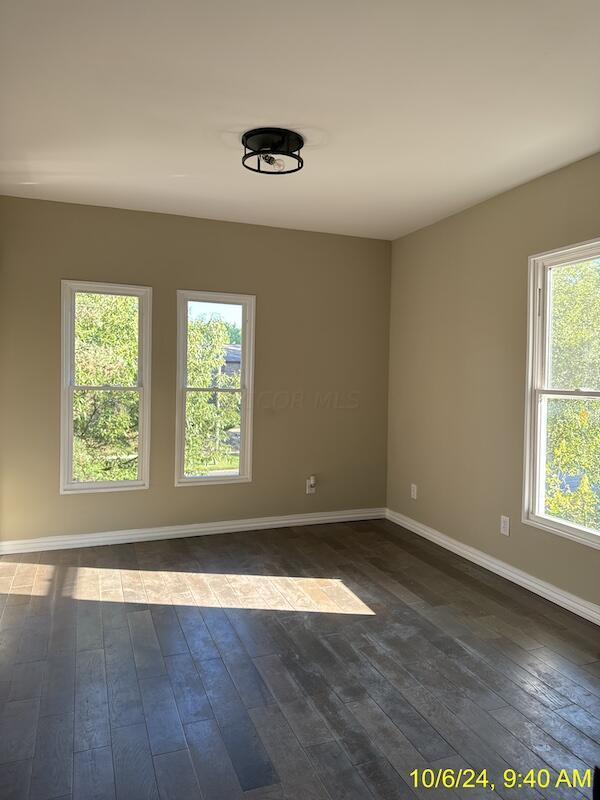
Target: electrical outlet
[
  {"x": 311, "y": 485},
  {"x": 413, "y": 491},
  {"x": 505, "y": 526}
]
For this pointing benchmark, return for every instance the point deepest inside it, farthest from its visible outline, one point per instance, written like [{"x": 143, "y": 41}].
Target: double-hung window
[
  {"x": 562, "y": 437},
  {"x": 105, "y": 397},
  {"x": 214, "y": 387}
]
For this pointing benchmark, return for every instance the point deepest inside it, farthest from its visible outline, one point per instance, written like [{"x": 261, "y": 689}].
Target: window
[
  {"x": 105, "y": 403},
  {"x": 214, "y": 387},
  {"x": 562, "y": 437}
]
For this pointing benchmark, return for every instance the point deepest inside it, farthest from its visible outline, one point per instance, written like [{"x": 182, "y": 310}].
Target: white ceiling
[{"x": 412, "y": 109}]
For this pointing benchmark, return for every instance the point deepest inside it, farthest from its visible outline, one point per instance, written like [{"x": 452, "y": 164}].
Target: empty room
[{"x": 299, "y": 400}]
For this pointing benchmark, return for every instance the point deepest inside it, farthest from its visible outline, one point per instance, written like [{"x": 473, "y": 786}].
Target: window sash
[
  {"x": 247, "y": 302},
  {"x": 69, "y": 291},
  {"x": 573, "y": 394},
  {"x": 213, "y": 389},
  {"x": 538, "y": 390}
]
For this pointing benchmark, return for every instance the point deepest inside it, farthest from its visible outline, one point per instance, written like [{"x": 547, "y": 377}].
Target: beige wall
[
  {"x": 457, "y": 370},
  {"x": 321, "y": 326},
  {"x": 456, "y": 382}
]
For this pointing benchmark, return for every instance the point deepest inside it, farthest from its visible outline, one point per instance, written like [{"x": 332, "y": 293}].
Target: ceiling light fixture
[{"x": 272, "y": 151}]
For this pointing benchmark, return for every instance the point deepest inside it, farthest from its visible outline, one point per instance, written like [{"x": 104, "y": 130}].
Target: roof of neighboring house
[{"x": 233, "y": 353}]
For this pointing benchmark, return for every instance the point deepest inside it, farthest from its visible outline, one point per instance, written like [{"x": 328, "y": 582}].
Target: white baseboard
[
  {"x": 571, "y": 602},
  {"x": 177, "y": 531}
]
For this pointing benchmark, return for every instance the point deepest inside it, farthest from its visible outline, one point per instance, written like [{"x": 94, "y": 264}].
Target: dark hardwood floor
[{"x": 307, "y": 663}]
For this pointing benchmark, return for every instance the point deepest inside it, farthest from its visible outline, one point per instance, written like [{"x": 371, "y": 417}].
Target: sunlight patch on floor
[{"x": 204, "y": 589}]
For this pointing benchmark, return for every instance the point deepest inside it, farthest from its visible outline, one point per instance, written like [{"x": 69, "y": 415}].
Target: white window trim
[
  {"x": 538, "y": 313},
  {"x": 248, "y": 303},
  {"x": 68, "y": 291}
]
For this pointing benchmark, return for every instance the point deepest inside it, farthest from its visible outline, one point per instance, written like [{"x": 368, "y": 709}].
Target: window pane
[
  {"x": 212, "y": 433},
  {"x": 106, "y": 339},
  {"x": 573, "y": 460},
  {"x": 214, "y": 345},
  {"x": 105, "y": 435},
  {"x": 575, "y": 326}
]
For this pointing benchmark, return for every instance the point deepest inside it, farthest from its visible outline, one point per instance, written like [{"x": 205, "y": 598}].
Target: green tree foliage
[
  {"x": 573, "y": 425},
  {"x": 106, "y": 339},
  {"x": 105, "y": 440},
  {"x": 212, "y": 418},
  {"x": 575, "y": 326},
  {"x": 234, "y": 333},
  {"x": 105, "y": 423}
]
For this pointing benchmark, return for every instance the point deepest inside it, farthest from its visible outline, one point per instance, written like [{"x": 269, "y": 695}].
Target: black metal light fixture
[{"x": 272, "y": 151}]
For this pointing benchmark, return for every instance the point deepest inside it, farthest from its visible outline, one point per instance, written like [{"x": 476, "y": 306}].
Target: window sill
[
  {"x": 209, "y": 481},
  {"x": 84, "y": 488},
  {"x": 581, "y": 535}
]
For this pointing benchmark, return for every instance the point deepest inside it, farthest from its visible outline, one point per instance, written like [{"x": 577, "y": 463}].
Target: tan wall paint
[
  {"x": 457, "y": 370},
  {"x": 457, "y": 364},
  {"x": 321, "y": 326}
]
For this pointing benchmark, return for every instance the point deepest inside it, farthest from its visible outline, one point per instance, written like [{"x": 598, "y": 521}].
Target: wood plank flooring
[{"x": 320, "y": 663}]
